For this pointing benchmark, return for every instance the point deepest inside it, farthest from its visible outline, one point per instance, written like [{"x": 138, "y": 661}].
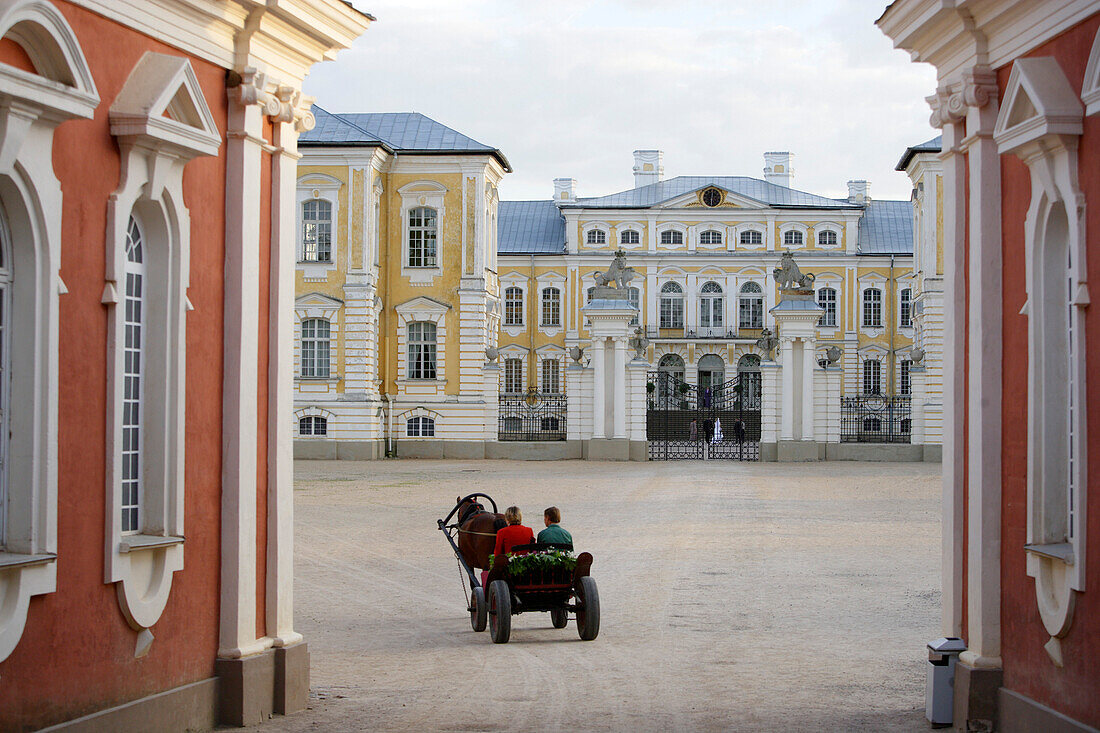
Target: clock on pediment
[{"x": 712, "y": 196}]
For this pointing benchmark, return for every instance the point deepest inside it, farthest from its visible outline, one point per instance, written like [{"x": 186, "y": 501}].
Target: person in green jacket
[{"x": 554, "y": 531}]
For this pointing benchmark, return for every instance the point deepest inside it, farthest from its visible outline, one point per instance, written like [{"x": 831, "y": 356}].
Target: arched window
[
  {"x": 792, "y": 237},
  {"x": 750, "y": 306},
  {"x": 133, "y": 377},
  {"x": 596, "y": 236},
  {"x": 872, "y": 308},
  {"x": 826, "y": 298},
  {"x": 629, "y": 236},
  {"x": 635, "y": 296},
  {"x": 420, "y": 427},
  {"x": 712, "y": 373},
  {"x": 752, "y": 236},
  {"x": 872, "y": 376},
  {"x": 513, "y": 306},
  {"x": 551, "y": 307},
  {"x": 672, "y": 306},
  {"x": 826, "y": 238},
  {"x": 422, "y": 350},
  {"x": 905, "y": 308},
  {"x": 669, "y": 386},
  {"x": 422, "y": 237},
  {"x": 672, "y": 236},
  {"x": 315, "y": 348},
  {"x": 312, "y": 425},
  {"x": 513, "y": 376},
  {"x": 710, "y": 237},
  {"x": 710, "y": 306},
  {"x": 317, "y": 231}
]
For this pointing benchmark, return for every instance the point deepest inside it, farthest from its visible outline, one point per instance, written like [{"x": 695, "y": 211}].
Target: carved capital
[
  {"x": 280, "y": 102},
  {"x": 948, "y": 107},
  {"x": 979, "y": 86}
]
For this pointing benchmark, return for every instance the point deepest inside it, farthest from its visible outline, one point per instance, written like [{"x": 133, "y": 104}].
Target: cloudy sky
[{"x": 572, "y": 87}]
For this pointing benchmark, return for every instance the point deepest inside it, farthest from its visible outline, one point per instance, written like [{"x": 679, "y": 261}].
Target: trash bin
[{"x": 939, "y": 687}]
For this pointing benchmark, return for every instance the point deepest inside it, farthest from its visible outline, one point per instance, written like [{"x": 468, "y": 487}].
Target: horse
[{"x": 477, "y": 532}]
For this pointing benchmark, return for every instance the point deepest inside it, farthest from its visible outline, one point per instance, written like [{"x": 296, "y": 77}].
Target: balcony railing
[{"x": 704, "y": 332}]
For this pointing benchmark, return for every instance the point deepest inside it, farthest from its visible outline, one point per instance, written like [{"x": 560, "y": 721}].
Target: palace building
[{"x": 410, "y": 268}]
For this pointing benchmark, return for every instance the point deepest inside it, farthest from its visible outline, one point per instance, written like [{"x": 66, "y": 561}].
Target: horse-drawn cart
[{"x": 537, "y": 577}]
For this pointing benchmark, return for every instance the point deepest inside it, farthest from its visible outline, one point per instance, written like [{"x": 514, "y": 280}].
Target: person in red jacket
[{"x": 514, "y": 534}]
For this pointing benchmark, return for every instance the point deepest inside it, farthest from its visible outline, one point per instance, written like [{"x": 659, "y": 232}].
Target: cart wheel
[
  {"x": 588, "y": 608},
  {"x": 500, "y": 611},
  {"x": 479, "y": 609},
  {"x": 559, "y": 617}
]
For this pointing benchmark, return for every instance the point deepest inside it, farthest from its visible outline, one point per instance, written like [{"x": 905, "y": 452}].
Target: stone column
[
  {"x": 599, "y": 367},
  {"x": 618, "y": 407},
  {"x": 809, "y": 364},
  {"x": 787, "y": 391}
]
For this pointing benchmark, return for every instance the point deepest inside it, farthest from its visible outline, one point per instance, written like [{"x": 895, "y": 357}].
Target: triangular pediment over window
[
  {"x": 316, "y": 299},
  {"x": 162, "y": 101},
  {"x": 1038, "y": 102},
  {"x": 422, "y": 304},
  {"x": 729, "y": 200}
]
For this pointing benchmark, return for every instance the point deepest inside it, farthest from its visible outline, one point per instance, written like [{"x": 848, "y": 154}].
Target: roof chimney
[
  {"x": 648, "y": 167},
  {"x": 859, "y": 192},
  {"x": 777, "y": 168},
  {"x": 565, "y": 190}
]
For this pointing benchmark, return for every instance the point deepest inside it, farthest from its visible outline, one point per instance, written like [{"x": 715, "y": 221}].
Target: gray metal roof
[
  {"x": 930, "y": 146},
  {"x": 886, "y": 228},
  {"x": 769, "y": 194},
  {"x": 404, "y": 132},
  {"x": 530, "y": 227}
]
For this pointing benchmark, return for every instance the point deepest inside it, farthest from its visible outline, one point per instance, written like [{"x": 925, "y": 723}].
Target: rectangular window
[
  {"x": 906, "y": 377},
  {"x": 315, "y": 348},
  {"x": 422, "y": 237},
  {"x": 317, "y": 231},
  {"x": 826, "y": 298},
  {"x": 635, "y": 296},
  {"x": 551, "y": 307},
  {"x": 672, "y": 312},
  {"x": 513, "y": 307},
  {"x": 513, "y": 376},
  {"x": 422, "y": 350},
  {"x": 550, "y": 381},
  {"x": 133, "y": 390},
  {"x": 751, "y": 313},
  {"x": 872, "y": 308},
  {"x": 872, "y": 377},
  {"x": 906, "y": 308}
]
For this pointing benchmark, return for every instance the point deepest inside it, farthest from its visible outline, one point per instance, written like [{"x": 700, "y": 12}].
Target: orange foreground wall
[
  {"x": 76, "y": 654},
  {"x": 1072, "y": 689}
]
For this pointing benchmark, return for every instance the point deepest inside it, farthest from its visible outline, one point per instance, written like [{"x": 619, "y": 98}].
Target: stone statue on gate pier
[
  {"x": 639, "y": 343},
  {"x": 612, "y": 285},
  {"x": 792, "y": 282},
  {"x": 767, "y": 343}
]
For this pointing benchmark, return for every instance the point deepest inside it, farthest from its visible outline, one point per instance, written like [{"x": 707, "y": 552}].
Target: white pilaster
[
  {"x": 599, "y": 367},
  {"x": 808, "y": 367},
  {"x": 786, "y": 417},
  {"x": 619, "y": 402}
]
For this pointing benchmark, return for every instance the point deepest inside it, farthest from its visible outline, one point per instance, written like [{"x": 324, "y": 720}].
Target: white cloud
[{"x": 572, "y": 88}]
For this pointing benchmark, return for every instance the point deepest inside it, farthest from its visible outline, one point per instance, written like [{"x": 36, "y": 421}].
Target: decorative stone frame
[
  {"x": 836, "y": 283},
  {"x": 310, "y": 306},
  {"x": 514, "y": 351},
  {"x": 161, "y": 121},
  {"x": 867, "y": 353},
  {"x": 313, "y": 411},
  {"x": 1041, "y": 122},
  {"x": 828, "y": 226},
  {"x": 671, "y": 226},
  {"x": 1090, "y": 88},
  {"x": 905, "y": 282},
  {"x": 552, "y": 280},
  {"x": 432, "y": 195},
  {"x": 736, "y": 283},
  {"x": 319, "y": 187},
  {"x": 421, "y": 308},
  {"x": 630, "y": 226},
  {"x": 419, "y": 411},
  {"x": 514, "y": 280},
  {"x": 597, "y": 226},
  {"x": 792, "y": 226},
  {"x": 734, "y": 241},
  {"x": 551, "y": 352},
  {"x": 866, "y": 282},
  {"x": 31, "y": 107},
  {"x": 697, "y": 235}
]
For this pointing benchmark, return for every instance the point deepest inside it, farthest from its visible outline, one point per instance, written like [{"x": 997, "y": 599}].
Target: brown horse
[{"x": 477, "y": 532}]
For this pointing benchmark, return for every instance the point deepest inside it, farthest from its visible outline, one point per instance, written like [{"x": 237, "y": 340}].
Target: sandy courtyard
[{"x": 750, "y": 597}]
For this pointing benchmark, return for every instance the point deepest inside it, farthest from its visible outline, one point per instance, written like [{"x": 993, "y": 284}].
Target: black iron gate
[
  {"x": 875, "y": 418},
  {"x": 532, "y": 415},
  {"x": 717, "y": 422}
]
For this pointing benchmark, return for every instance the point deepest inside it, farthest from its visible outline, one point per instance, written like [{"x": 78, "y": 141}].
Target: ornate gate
[
  {"x": 532, "y": 415},
  {"x": 876, "y": 418},
  {"x": 727, "y": 421}
]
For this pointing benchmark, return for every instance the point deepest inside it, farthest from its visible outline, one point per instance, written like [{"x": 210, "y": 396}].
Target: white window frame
[
  {"x": 630, "y": 231},
  {"x": 824, "y": 321},
  {"x": 321, "y": 244},
  {"x": 317, "y": 187},
  {"x": 871, "y": 315},
  {"x": 708, "y": 308},
  {"x": 312, "y": 365},
  {"x": 746, "y": 228},
  {"x": 870, "y": 376},
  {"x": 669, "y": 314},
  {"x": 320, "y": 307},
  {"x": 745, "y": 305},
  {"x": 431, "y": 195},
  {"x": 550, "y": 315},
  {"x": 153, "y": 143},
  {"x": 316, "y": 413},
  {"x": 793, "y": 228},
  {"x": 424, "y": 426},
  {"x": 513, "y": 375},
  {"x": 595, "y": 236},
  {"x": 672, "y": 230},
  {"x": 1046, "y": 139},
  {"x": 550, "y": 375},
  {"x": 634, "y": 294},
  {"x": 136, "y": 336},
  {"x": 835, "y": 230},
  {"x": 905, "y": 377},
  {"x": 421, "y": 339},
  {"x": 509, "y": 302},
  {"x": 314, "y": 420},
  {"x": 905, "y": 307},
  {"x": 712, "y": 231},
  {"x": 422, "y": 308}
]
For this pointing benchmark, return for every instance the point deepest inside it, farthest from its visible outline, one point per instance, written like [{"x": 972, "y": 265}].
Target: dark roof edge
[
  {"x": 492, "y": 151},
  {"x": 910, "y": 152}
]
